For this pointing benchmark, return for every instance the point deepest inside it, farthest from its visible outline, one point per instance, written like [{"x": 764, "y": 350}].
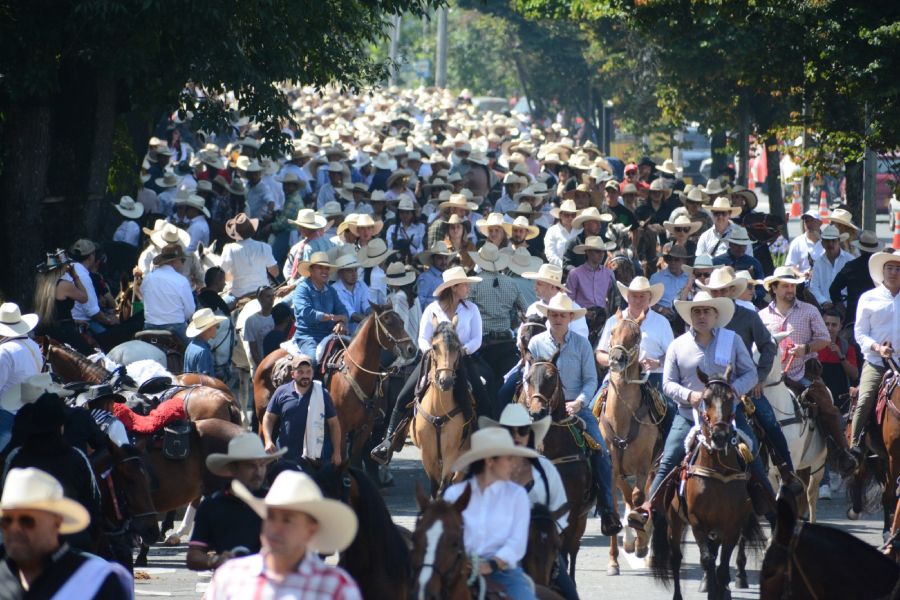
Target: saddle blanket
[{"x": 140, "y": 371}]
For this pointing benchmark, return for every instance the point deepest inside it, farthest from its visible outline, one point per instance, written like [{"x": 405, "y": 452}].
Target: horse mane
[
  {"x": 446, "y": 328},
  {"x": 81, "y": 362}
]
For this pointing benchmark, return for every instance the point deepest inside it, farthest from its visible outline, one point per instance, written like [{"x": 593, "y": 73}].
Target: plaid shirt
[
  {"x": 246, "y": 579},
  {"x": 806, "y": 325},
  {"x": 497, "y": 296}
]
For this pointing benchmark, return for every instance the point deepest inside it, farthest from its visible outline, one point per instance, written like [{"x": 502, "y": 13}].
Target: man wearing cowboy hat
[
  {"x": 99, "y": 400},
  {"x": 589, "y": 283},
  {"x": 877, "y": 335},
  {"x": 808, "y": 335},
  {"x": 436, "y": 260},
  {"x": 654, "y": 211},
  {"x": 829, "y": 265},
  {"x": 298, "y": 524},
  {"x": 198, "y": 356},
  {"x": 328, "y": 191},
  {"x": 311, "y": 227},
  {"x": 591, "y": 222},
  {"x": 212, "y": 544},
  {"x": 282, "y": 227},
  {"x": 738, "y": 258},
  {"x": 354, "y": 294},
  {"x": 20, "y": 356},
  {"x": 694, "y": 200},
  {"x": 547, "y": 283},
  {"x": 673, "y": 278},
  {"x": 168, "y": 298},
  {"x": 196, "y": 213},
  {"x": 406, "y": 235},
  {"x": 714, "y": 241},
  {"x": 260, "y": 201},
  {"x": 248, "y": 263},
  {"x": 854, "y": 277},
  {"x": 561, "y": 233},
  {"x": 128, "y": 231},
  {"x": 318, "y": 310},
  {"x": 806, "y": 249},
  {"x": 33, "y": 561}
]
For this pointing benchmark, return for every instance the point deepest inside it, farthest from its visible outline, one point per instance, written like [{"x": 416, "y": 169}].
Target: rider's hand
[
  {"x": 574, "y": 406},
  {"x": 757, "y": 391},
  {"x": 336, "y": 458},
  {"x": 695, "y": 399},
  {"x": 270, "y": 447},
  {"x": 649, "y": 363},
  {"x": 885, "y": 350},
  {"x": 339, "y": 329},
  {"x": 798, "y": 350}
]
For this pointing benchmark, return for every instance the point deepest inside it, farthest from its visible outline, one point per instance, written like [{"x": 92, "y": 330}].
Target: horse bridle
[
  {"x": 631, "y": 354},
  {"x": 120, "y": 503},
  {"x": 537, "y": 394},
  {"x": 793, "y": 564},
  {"x": 380, "y": 328},
  {"x": 455, "y": 566}
]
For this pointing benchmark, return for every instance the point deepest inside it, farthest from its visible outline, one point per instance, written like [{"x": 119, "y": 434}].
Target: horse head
[
  {"x": 622, "y": 267},
  {"x": 544, "y": 542},
  {"x": 543, "y": 387},
  {"x": 531, "y": 326},
  {"x": 446, "y": 351},
  {"x": 439, "y": 554},
  {"x": 207, "y": 256},
  {"x": 625, "y": 342},
  {"x": 391, "y": 333},
  {"x": 718, "y": 397},
  {"x": 131, "y": 485}
]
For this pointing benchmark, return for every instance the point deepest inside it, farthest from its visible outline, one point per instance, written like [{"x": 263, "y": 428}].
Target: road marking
[{"x": 143, "y": 592}]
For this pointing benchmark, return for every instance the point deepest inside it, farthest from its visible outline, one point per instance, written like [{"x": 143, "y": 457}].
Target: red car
[{"x": 886, "y": 181}]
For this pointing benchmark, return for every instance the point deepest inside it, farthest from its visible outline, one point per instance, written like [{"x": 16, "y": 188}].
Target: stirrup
[{"x": 381, "y": 453}]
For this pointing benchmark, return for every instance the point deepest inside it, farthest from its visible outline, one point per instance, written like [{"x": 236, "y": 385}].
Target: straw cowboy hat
[
  {"x": 478, "y": 157},
  {"x": 522, "y": 223},
  {"x": 248, "y": 165},
  {"x": 33, "y": 489},
  {"x": 839, "y": 215},
  {"x": 398, "y": 275},
  {"x": 721, "y": 204},
  {"x": 724, "y": 307},
  {"x": 374, "y": 253},
  {"x": 786, "y": 274},
  {"x": 746, "y": 276},
  {"x": 831, "y": 233},
  {"x": 521, "y": 261},
  {"x": 246, "y": 446},
  {"x": 877, "y": 262},
  {"x": 748, "y": 195},
  {"x": 347, "y": 260},
  {"x": 454, "y": 276},
  {"x": 494, "y": 219},
  {"x": 366, "y": 220},
  {"x": 629, "y": 188},
  {"x": 296, "y": 491},
  {"x": 202, "y": 320},
  {"x": 714, "y": 187},
  {"x": 440, "y": 247},
  {"x": 702, "y": 261},
  {"x": 288, "y": 177},
  {"x": 667, "y": 167},
  {"x": 696, "y": 195},
  {"x": 594, "y": 242},
  {"x": 523, "y": 209},
  {"x": 738, "y": 236},
  {"x": 567, "y": 206},
  {"x": 642, "y": 284},
  {"x": 30, "y": 390},
  {"x": 169, "y": 180},
  {"x": 169, "y": 253},
  {"x": 725, "y": 277},
  {"x": 682, "y": 221},
  {"x": 170, "y": 234},
  {"x": 560, "y": 302},
  {"x": 193, "y": 201},
  {"x": 547, "y": 273},
  {"x": 398, "y": 174},
  {"x": 236, "y": 187},
  {"x": 489, "y": 443},
  {"x": 307, "y": 218},
  {"x": 407, "y": 204},
  {"x": 490, "y": 259},
  {"x": 13, "y": 323},
  {"x": 317, "y": 258},
  {"x": 673, "y": 250},
  {"x": 384, "y": 162},
  {"x": 349, "y": 219},
  {"x": 516, "y": 415},
  {"x": 331, "y": 210},
  {"x": 458, "y": 201},
  {"x": 867, "y": 242},
  {"x": 241, "y": 227},
  {"x": 158, "y": 224},
  {"x": 128, "y": 208},
  {"x": 591, "y": 213}
]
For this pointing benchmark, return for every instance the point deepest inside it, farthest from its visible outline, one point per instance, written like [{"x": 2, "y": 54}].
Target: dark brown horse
[
  {"x": 715, "y": 502},
  {"x": 565, "y": 445},
  {"x": 544, "y": 543},
  {"x": 356, "y": 387}
]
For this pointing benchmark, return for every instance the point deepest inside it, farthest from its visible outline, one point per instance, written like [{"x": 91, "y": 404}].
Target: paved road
[{"x": 168, "y": 577}]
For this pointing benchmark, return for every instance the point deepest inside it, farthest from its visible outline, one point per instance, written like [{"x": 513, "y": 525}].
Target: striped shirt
[
  {"x": 805, "y": 324},
  {"x": 497, "y": 297},
  {"x": 247, "y": 577}
]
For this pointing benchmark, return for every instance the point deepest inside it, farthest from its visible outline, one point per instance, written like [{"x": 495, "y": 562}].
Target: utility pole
[
  {"x": 869, "y": 177},
  {"x": 440, "y": 71},
  {"x": 395, "y": 45}
]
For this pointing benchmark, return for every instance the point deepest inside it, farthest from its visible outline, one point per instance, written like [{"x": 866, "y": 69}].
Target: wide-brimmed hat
[
  {"x": 349, "y": 219},
  {"x": 193, "y": 201},
  {"x": 748, "y": 195},
  {"x": 831, "y": 233},
  {"x": 316, "y": 258},
  {"x": 673, "y": 250},
  {"x": 877, "y": 262},
  {"x": 54, "y": 260},
  {"x": 213, "y": 159},
  {"x": 547, "y": 273},
  {"x": 246, "y": 446},
  {"x": 102, "y": 391},
  {"x": 521, "y": 261},
  {"x": 591, "y": 213},
  {"x": 374, "y": 253},
  {"x": 170, "y": 234},
  {"x": 724, "y": 277},
  {"x": 701, "y": 261},
  {"x": 248, "y": 165},
  {"x": 17, "y": 396},
  {"x": 128, "y": 208},
  {"x": 493, "y": 219},
  {"x": 406, "y": 203},
  {"x": 384, "y": 162},
  {"x": 33, "y": 489},
  {"x": 682, "y": 221},
  {"x": 523, "y": 223},
  {"x": 168, "y": 180},
  {"x": 241, "y": 227},
  {"x": 523, "y": 209},
  {"x": 739, "y": 236},
  {"x": 288, "y": 177},
  {"x": 13, "y": 323},
  {"x": 478, "y": 157},
  {"x": 642, "y": 284},
  {"x": 724, "y": 307},
  {"x": 237, "y": 188},
  {"x": 746, "y": 276},
  {"x": 366, "y": 220},
  {"x": 560, "y": 302},
  {"x": 202, "y": 320},
  {"x": 696, "y": 195},
  {"x": 722, "y": 204},
  {"x": 714, "y": 187},
  {"x": 629, "y": 188},
  {"x": 839, "y": 215},
  {"x": 667, "y": 167},
  {"x": 332, "y": 210},
  {"x": 594, "y": 242},
  {"x": 516, "y": 415},
  {"x": 439, "y": 247},
  {"x": 491, "y": 442},
  {"x": 567, "y": 206},
  {"x": 398, "y": 174},
  {"x": 346, "y": 260},
  {"x": 397, "y": 274},
  {"x": 296, "y": 491},
  {"x": 785, "y": 274},
  {"x": 307, "y": 218},
  {"x": 169, "y": 253},
  {"x": 453, "y": 276},
  {"x": 458, "y": 201},
  {"x": 490, "y": 259},
  {"x": 867, "y": 242}
]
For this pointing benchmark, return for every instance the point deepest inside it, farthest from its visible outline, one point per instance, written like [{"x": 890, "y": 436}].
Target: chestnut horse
[
  {"x": 356, "y": 388},
  {"x": 715, "y": 502}
]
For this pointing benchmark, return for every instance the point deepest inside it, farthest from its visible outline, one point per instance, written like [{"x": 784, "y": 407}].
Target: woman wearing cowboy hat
[
  {"x": 406, "y": 235},
  {"x": 57, "y": 288},
  {"x": 459, "y": 243},
  {"x": 497, "y": 515},
  {"x": 128, "y": 231},
  {"x": 561, "y": 233}
]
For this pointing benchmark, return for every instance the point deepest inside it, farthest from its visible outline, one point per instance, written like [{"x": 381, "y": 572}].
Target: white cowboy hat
[
  {"x": 831, "y": 233},
  {"x": 839, "y": 215},
  {"x": 725, "y": 277},
  {"x": 248, "y": 165},
  {"x": 366, "y": 220},
  {"x": 547, "y": 273},
  {"x": 521, "y": 261},
  {"x": 193, "y": 201},
  {"x": 296, "y": 491},
  {"x": 696, "y": 195},
  {"x": 724, "y": 307},
  {"x": 458, "y": 201},
  {"x": 384, "y": 162},
  {"x": 877, "y": 262},
  {"x": 317, "y": 258},
  {"x": 516, "y": 415},
  {"x": 748, "y": 195},
  {"x": 488, "y": 443},
  {"x": 288, "y": 177},
  {"x": 657, "y": 185},
  {"x": 494, "y": 219},
  {"x": 867, "y": 242},
  {"x": 453, "y": 276},
  {"x": 128, "y": 208},
  {"x": 560, "y": 302},
  {"x": 738, "y": 235},
  {"x": 17, "y": 396},
  {"x": 397, "y": 274},
  {"x": 347, "y": 260},
  {"x": 667, "y": 167},
  {"x": 440, "y": 247},
  {"x": 490, "y": 259},
  {"x": 307, "y": 218},
  {"x": 701, "y": 261},
  {"x": 642, "y": 284},
  {"x": 398, "y": 174},
  {"x": 407, "y": 204},
  {"x": 13, "y": 323},
  {"x": 524, "y": 209},
  {"x": 682, "y": 221},
  {"x": 522, "y": 223},
  {"x": 374, "y": 253},
  {"x": 567, "y": 206},
  {"x": 349, "y": 220},
  {"x": 591, "y": 213},
  {"x": 714, "y": 187},
  {"x": 785, "y": 274},
  {"x": 594, "y": 242},
  {"x": 202, "y": 320},
  {"x": 170, "y": 234},
  {"x": 746, "y": 276},
  {"x": 246, "y": 446},
  {"x": 33, "y": 489},
  {"x": 722, "y": 204}
]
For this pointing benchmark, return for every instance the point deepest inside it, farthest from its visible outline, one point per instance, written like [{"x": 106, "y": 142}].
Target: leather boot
[{"x": 790, "y": 480}]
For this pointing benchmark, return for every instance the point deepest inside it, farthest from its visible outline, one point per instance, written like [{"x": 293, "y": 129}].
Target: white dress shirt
[
  {"x": 129, "y": 232},
  {"x": 377, "y": 286},
  {"x": 496, "y": 519},
  {"x": 20, "y": 359},
  {"x": 823, "y": 274},
  {"x": 799, "y": 251},
  {"x": 656, "y": 337},
  {"x": 712, "y": 243},
  {"x": 538, "y": 494},
  {"x": 555, "y": 243},
  {"x": 198, "y": 229},
  {"x": 468, "y": 326},
  {"x": 247, "y": 262},
  {"x": 83, "y": 311},
  {"x": 877, "y": 321},
  {"x": 578, "y": 326},
  {"x": 411, "y": 317},
  {"x": 167, "y": 297}
]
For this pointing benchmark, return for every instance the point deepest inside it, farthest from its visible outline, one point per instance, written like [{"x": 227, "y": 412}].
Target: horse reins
[{"x": 793, "y": 562}]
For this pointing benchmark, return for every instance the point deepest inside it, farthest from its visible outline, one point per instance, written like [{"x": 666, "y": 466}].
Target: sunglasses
[
  {"x": 699, "y": 275},
  {"x": 521, "y": 430},
  {"x": 721, "y": 214},
  {"x": 25, "y": 522},
  {"x": 682, "y": 229}
]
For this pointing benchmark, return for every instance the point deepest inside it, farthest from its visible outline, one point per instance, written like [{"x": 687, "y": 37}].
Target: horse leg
[
  {"x": 812, "y": 492},
  {"x": 141, "y": 560},
  {"x": 675, "y": 556},
  {"x": 613, "y": 567},
  {"x": 723, "y": 571},
  {"x": 805, "y": 475},
  {"x": 707, "y": 559},
  {"x": 854, "y": 490},
  {"x": 167, "y": 524},
  {"x": 741, "y": 561},
  {"x": 187, "y": 524}
]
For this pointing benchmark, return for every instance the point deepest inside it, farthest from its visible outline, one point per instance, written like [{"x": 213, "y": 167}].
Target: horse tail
[
  {"x": 752, "y": 534},
  {"x": 662, "y": 553}
]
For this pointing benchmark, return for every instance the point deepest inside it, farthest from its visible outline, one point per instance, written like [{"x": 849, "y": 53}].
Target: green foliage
[{"x": 122, "y": 179}]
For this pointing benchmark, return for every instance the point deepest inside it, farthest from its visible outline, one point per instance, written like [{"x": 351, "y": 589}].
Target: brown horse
[
  {"x": 544, "y": 543},
  {"x": 438, "y": 426},
  {"x": 715, "y": 502},
  {"x": 564, "y": 445},
  {"x": 69, "y": 364},
  {"x": 356, "y": 388},
  {"x": 629, "y": 431},
  {"x": 194, "y": 379}
]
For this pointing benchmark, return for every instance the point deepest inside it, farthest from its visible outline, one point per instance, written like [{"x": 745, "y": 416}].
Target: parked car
[{"x": 887, "y": 179}]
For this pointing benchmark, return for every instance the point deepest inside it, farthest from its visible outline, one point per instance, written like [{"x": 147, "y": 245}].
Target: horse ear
[
  {"x": 728, "y": 373},
  {"x": 201, "y": 249},
  {"x": 454, "y": 321},
  {"x": 786, "y": 520},
  {"x": 560, "y": 511},
  {"x": 434, "y": 321},
  {"x": 463, "y": 501},
  {"x": 421, "y": 498},
  {"x": 618, "y": 314},
  {"x": 702, "y": 376}
]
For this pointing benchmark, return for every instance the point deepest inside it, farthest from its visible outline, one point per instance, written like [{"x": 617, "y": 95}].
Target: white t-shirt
[
  {"x": 247, "y": 261},
  {"x": 656, "y": 336},
  {"x": 128, "y": 232}
]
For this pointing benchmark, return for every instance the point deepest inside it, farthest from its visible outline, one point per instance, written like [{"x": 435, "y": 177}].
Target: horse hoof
[
  {"x": 726, "y": 594},
  {"x": 702, "y": 587},
  {"x": 612, "y": 570},
  {"x": 140, "y": 561},
  {"x": 629, "y": 547},
  {"x": 741, "y": 583},
  {"x": 852, "y": 514},
  {"x": 641, "y": 552},
  {"x": 173, "y": 540}
]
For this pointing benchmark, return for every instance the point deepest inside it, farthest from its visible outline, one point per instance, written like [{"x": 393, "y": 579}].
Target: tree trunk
[
  {"x": 717, "y": 150},
  {"x": 854, "y": 189},
  {"x": 101, "y": 154},
  {"x": 773, "y": 177}
]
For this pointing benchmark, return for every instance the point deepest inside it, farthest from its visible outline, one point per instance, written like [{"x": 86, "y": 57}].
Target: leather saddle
[{"x": 169, "y": 343}]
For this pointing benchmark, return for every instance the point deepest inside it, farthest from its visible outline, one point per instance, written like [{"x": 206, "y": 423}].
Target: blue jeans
[
  {"x": 307, "y": 346},
  {"x": 600, "y": 461},
  {"x": 513, "y": 580},
  {"x": 180, "y": 329},
  {"x": 507, "y": 392},
  {"x": 765, "y": 416}
]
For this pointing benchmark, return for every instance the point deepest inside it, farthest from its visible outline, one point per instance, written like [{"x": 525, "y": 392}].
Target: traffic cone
[
  {"x": 796, "y": 207},
  {"x": 895, "y": 207},
  {"x": 823, "y": 208}
]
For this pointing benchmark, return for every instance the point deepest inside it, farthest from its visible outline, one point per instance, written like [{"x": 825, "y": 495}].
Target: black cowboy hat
[
  {"x": 54, "y": 260},
  {"x": 168, "y": 254},
  {"x": 103, "y": 391}
]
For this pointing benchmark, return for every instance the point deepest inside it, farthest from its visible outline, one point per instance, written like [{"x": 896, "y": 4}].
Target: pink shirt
[
  {"x": 589, "y": 287},
  {"x": 805, "y": 324}
]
